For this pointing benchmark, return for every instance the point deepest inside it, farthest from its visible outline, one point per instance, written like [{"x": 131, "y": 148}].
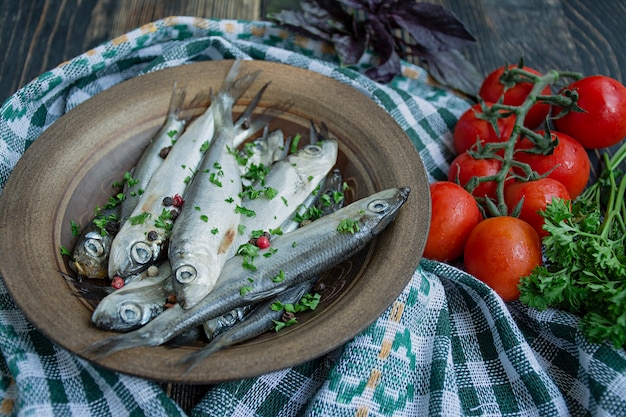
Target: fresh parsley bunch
[
  {"x": 585, "y": 268},
  {"x": 392, "y": 29}
]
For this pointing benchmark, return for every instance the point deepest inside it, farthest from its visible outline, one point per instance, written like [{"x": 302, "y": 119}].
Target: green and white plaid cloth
[{"x": 446, "y": 346}]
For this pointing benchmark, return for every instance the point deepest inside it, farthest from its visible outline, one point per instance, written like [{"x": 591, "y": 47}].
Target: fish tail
[
  {"x": 192, "y": 360},
  {"x": 239, "y": 86},
  {"x": 113, "y": 344}
]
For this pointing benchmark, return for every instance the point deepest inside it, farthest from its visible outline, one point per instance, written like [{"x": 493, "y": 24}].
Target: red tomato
[
  {"x": 536, "y": 194},
  {"x": 501, "y": 250},
  {"x": 454, "y": 215},
  {"x": 573, "y": 162},
  {"x": 464, "y": 167},
  {"x": 469, "y": 128},
  {"x": 492, "y": 89},
  {"x": 603, "y": 123}
]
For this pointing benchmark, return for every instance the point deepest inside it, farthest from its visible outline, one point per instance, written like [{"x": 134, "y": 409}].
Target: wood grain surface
[{"x": 578, "y": 35}]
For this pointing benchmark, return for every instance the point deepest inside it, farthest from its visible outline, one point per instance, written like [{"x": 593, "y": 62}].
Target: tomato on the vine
[
  {"x": 492, "y": 89},
  {"x": 454, "y": 215},
  {"x": 569, "y": 157},
  {"x": 470, "y": 127},
  {"x": 464, "y": 167},
  {"x": 536, "y": 194},
  {"x": 603, "y": 122},
  {"x": 499, "y": 251}
]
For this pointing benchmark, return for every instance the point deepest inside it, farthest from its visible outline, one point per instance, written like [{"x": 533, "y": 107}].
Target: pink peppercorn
[{"x": 117, "y": 282}]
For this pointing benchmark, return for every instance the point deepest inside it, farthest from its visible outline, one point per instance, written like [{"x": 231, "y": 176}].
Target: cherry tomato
[
  {"x": 501, "y": 250},
  {"x": 464, "y": 167},
  {"x": 603, "y": 123},
  {"x": 454, "y": 215},
  {"x": 573, "y": 162},
  {"x": 469, "y": 128},
  {"x": 492, "y": 89},
  {"x": 536, "y": 194}
]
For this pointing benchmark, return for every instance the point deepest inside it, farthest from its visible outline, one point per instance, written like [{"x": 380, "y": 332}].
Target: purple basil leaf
[
  {"x": 297, "y": 22},
  {"x": 385, "y": 72},
  {"x": 357, "y": 4},
  {"x": 452, "y": 69},
  {"x": 349, "y": 48},
  {"x": 382, "y": 40},
  {"x": 432, "y": 26},
  {"x": 326, "y": 14}
]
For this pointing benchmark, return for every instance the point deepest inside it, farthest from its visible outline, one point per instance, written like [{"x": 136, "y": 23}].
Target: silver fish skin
[
  {"x": 258, "y": 321},
  {"x": 295, "y": 178},
  {"x": 298, "y": 256},
  {"x": 90, "y": 257},
  {"x": 205, "y": 230},
  {"x": 150, "y": 158},
  {"x": 136, "y": 303},
  {"x": 143, "y": 237}
]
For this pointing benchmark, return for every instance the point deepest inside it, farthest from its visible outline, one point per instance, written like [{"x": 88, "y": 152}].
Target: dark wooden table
[{"x": 578, "y": 35}]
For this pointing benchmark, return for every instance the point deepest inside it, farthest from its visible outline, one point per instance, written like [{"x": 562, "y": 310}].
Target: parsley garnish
[
  {"x": 65, "y": 251},
  {"x": 139, "y": 219},
  {"x": 280, "y": 277},
  {"x": 585, "y": 259},
  {"x": 75, "y": 228},
  {"x": 348, "y": 226},
  {"x": 249, "y": 252},
  {"x": 307, "y": 302},
  {"x": 244, "y": 211},
  {"x": 294, "y": 143},
  {"x": 162, "y": 221},
  {"x": 245, "y": 290}
]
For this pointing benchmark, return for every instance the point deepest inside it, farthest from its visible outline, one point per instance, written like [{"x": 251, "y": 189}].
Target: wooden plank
[{"x": 39, "y": 35}]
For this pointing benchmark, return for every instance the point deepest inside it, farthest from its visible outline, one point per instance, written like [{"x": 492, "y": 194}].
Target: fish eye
[
  {"x": 378, "y": 206},
  {"x": 130, "y": 313},
  {"x": 185, "y": 274},
  {"x": 141, "y": 252},
  {"x": 94, "y": 247},
  {"x": 312, "y": 149}
]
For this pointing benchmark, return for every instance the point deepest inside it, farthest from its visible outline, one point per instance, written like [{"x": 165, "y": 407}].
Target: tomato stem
[{"x": 505, "y": 151}]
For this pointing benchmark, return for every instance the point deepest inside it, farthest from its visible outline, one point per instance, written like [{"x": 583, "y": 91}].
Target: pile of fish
[{"x": 223, "y": 227}]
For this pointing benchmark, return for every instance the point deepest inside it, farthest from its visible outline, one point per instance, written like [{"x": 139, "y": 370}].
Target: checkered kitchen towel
[{"x": 446, "y": 346}]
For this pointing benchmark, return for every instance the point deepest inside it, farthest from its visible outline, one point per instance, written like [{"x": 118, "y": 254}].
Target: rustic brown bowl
[{"x": 70, "y": 168}]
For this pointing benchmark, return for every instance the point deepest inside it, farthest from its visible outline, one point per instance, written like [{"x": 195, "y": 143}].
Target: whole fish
[
  {"x": 90, "y": 257},
  {"x": 206, "y": 227},
  {"x": 152, "y": 157},
  {"x": 143, "y": 237},
  {"x": 136, "y": 303},
  {"x": 295, "y": 258},
  {"x": 258, "y": 321},
  {"x": 293, "y": 180}
]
